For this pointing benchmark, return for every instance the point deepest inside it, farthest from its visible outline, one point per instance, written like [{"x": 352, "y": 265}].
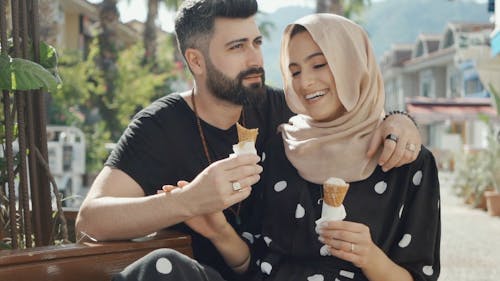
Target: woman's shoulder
[{"x": 425, "y": 157}]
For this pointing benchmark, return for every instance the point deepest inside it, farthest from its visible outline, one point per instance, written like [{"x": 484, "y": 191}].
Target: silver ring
[
  {"x": 236, "y": 186},
  {"x": 411, "y": 147},
  {"x": 352, "y": 247},
  {"x": 392, "y": 137}
]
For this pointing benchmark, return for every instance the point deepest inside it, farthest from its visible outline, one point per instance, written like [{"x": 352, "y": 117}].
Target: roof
[{"x": 430, "y": 110}]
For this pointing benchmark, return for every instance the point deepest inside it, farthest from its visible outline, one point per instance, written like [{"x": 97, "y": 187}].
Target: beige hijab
[{"x": 320, "y": 150}]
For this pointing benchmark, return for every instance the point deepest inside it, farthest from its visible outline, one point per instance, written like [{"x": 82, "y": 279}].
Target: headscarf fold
[{"x": 337, "y": 148}]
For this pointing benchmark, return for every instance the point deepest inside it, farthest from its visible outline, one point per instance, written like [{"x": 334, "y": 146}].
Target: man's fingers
[
  {"x": 182, "y": 183},
  {"x": 389, "y": 146},
  {"x": 168, "y": 187},
  {"x": 396, "y": 156},
  {"x": 243, "y": 171},
  {"x": 375, "y": 142},
  {"x": 239, "y": 196},
  {"x": 236, "y": 161}
]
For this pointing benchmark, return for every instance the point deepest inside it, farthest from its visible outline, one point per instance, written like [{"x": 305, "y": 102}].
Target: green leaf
[
  {"x": 48, "y": 56},
  {"x": 496, "y": 96},
  {"x": 23, "y": 75}
]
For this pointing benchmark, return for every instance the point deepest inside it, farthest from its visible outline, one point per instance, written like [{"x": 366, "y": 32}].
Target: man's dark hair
[{"x": 194, "y": 23}]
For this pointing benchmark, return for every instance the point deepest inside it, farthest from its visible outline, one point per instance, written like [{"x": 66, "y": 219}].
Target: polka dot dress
[{"x": 401, "y": 208}]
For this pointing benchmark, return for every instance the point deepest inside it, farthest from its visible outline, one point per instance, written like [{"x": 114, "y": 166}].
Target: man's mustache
[{"x": 251, "y": 71}]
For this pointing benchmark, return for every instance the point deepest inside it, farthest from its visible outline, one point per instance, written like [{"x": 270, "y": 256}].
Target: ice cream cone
[
  {"x": 245, "y": 134},
  {"x": 334, "y": 191}
]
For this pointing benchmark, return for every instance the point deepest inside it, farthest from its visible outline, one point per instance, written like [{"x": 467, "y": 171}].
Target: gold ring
[
  {"x": 411, "y": 147},
  {"x": 392, "y": 137},
  {"x": 236, "y": 186}
]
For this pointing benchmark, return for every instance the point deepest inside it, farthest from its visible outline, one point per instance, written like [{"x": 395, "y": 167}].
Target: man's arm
[
  {"x": 116, "y": 208},
  {"x": 402, "y": 149}
]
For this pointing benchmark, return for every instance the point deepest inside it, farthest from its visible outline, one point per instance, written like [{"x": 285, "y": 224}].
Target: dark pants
[{"x": 167, "y": 264}]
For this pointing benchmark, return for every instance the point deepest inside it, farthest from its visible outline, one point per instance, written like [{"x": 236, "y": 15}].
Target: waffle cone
[
  {"x": 245, "y": 134},
  {"x": 334, "y": 195}
]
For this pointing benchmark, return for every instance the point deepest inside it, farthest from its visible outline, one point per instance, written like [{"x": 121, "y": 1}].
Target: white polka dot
[
  {"x": 163, "y": 266},
  {"x": 428, "y": 270},
  {"x": 257, "y": 236},
  {"x": 266, "y": 268},
  {"x": 248, "y": 236},
  {"x": 258, "y": 262},
  {"x": 347, "y": 274},
  {"x": 336, "y": 279},
  {"x": 263, "y": 158},
  {"x": 324, "y": 251},
  {"x": 320, "y": 201},
  {"x": 417, "y": 178},
  {"x": 401, "y": 211},
  {"x": 299, "y": 212},
  {"x": 316, "y": 277},
  {"x": 380, "y": 187},
  {"x": 280, "y": 186},
  {"x": 267, "y": 240},
  {"x": 405, "y": 241}
]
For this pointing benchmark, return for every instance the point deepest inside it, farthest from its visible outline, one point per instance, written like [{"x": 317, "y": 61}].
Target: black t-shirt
[{"x": 162, "y": 145}]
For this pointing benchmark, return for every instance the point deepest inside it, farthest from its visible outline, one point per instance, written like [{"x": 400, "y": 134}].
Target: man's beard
[{"x": 233, "y": 90}]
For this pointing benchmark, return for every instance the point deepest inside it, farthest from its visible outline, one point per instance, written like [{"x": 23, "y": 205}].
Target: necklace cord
[{"x": 207, "y": 154}]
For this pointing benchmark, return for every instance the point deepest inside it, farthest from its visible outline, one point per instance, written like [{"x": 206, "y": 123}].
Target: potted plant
[{"x": 492, "y": 160}]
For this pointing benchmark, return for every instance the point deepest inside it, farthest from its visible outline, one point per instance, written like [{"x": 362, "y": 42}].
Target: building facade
[{"x": 444, "y": 81}]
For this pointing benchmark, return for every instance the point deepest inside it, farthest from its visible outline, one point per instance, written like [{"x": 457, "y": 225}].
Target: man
[{"x": 189, "y": 136}]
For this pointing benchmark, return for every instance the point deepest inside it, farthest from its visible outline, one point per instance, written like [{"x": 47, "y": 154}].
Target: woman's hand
[{"x": 349, "y": 241}]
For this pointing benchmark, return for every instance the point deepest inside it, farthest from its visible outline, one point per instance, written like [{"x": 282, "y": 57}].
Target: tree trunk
[
  {"x": 50, "y": 21},
  {"x": 337, "y": 7},
  {"x": 150, "y": 33},
  {"x": 108, "y": 48},
  {"x": 330, "y": 6}
]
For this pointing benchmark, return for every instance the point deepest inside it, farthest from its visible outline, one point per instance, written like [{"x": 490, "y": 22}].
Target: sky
[{"x": 136, "y": 9}]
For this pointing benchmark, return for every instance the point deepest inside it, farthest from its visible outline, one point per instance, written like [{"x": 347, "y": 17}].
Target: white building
[{"x": 442, "y": 80}]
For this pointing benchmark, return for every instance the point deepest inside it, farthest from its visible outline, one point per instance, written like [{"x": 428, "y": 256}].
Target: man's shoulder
[
  {"x": 274, "y": 91},
  {"x": 167, "y": 104}
]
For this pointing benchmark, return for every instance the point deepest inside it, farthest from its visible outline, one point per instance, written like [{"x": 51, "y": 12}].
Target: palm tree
[
  {"x": 50, "y": 21},
  {"x": 149, "y": 35},
  {"x": 108, "y": 48},
  {"x": 150, "y": 40}
]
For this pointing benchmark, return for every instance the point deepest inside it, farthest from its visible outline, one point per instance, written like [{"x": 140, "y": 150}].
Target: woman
[{"x": 392, "y": 228}]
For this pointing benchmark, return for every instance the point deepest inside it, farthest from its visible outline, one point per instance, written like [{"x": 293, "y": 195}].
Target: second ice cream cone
[{"x": 334, "y": 191}]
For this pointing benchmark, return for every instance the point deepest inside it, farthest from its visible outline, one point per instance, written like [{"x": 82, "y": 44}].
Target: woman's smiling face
[{"x": 312, "y": 80}]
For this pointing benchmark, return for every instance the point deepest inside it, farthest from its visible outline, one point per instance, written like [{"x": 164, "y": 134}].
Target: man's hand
[
  {"x": 212, "y": 226},
  {"x": 222, "y": 184},
  {"x": 402, "y": 147}
]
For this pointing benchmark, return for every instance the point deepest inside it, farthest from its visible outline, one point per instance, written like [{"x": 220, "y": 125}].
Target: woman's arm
[{"x": 217, "y": 229}]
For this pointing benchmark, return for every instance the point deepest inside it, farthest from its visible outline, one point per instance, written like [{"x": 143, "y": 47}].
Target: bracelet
[{"x": 402, "y": 113}]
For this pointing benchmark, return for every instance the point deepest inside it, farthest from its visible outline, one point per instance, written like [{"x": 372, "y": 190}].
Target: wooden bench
[{"x": 86, "y": 261}]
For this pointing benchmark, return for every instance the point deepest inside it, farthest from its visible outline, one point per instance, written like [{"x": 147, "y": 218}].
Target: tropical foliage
[{"x": 84, "y": 97}]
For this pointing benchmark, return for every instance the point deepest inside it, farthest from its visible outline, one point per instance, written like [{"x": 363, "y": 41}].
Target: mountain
[
  {"x": 387, "y": 22},
  {"x": 400, "y": 21},
  {"x": 271, "y": 47}
]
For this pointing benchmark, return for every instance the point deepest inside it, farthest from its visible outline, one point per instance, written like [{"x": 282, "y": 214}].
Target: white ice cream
[{"x": 246, "y": 147}]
